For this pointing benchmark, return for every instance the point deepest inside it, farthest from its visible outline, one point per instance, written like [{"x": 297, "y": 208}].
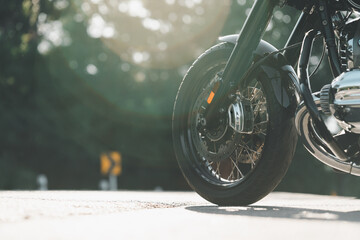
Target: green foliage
[{"x": 68, "y": 95}]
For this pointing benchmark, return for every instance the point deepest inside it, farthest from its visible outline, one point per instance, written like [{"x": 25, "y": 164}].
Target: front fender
[
  {"x": 283, "y": 78},
  {"x": 263, "y": 48}
]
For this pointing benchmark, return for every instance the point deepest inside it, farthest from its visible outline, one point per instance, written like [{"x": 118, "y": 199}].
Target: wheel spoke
[
  {"x": 262, "y": 122},
  {"x": 259, "y": 131},
  {"x": 255, "y": 94},
  {"x": 237, "y": 168},
  {"x": 229, "y": 157},
  {"x": 218, "y": 168},
  {"x": 231, "y": 175}
]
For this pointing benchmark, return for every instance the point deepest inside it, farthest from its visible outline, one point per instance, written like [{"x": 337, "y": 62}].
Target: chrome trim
[
  {"x": 348, "y": 56},
  {"x": 345, "y": 104},
  {"x": 311, "y": 138},
  {"x": 241, "y": 116},
  {"x": 347, "y": 89},
  {"x": 236, "y": 117}
]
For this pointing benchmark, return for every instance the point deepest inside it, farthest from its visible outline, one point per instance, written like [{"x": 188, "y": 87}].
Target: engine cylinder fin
[{"x": 325, "y": 99}]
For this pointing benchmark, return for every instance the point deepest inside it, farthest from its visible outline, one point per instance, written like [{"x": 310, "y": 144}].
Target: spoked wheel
[
  {"x": 241, "y": 155},
  {"x": 228, "y": 157}
]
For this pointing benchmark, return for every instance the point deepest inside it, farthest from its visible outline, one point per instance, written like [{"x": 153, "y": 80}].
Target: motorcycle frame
[
  {"x": 324, "y": 26},
  {"x": 247, "y": 42}
]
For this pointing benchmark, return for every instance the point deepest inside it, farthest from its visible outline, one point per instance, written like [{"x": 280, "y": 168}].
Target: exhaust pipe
[{"x": 311, "y": 139}]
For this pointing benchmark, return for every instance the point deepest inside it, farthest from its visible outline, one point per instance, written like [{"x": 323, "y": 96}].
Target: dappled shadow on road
[{"x": 280, "y": 212}]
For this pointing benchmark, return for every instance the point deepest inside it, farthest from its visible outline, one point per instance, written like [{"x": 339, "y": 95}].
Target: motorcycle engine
[
  {"x": 341, "y": 98},
  {"x": 349, "y": 45}
]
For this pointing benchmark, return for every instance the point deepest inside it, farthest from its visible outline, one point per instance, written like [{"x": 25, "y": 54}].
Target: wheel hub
[
  {"x": 233, "y": 133},
  {"x": 241, "y": 116},
  {"x": 217, "y": 143}
]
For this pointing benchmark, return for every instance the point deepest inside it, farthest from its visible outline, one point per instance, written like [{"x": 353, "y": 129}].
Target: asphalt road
[{"x": 173, "y": 215}]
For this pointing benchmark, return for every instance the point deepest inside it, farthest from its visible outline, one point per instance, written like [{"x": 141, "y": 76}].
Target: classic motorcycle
[{"x": 241, "y": 106}]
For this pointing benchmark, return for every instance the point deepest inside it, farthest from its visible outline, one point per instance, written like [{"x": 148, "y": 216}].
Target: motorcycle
[{"x": 241, "y": 105}]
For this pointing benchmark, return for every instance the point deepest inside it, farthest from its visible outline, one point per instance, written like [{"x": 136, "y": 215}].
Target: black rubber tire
[{"x": 277, "y": 153}]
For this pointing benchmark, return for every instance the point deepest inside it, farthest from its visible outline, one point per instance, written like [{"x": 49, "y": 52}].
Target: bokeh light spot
[{"x": 91, "y": 69}]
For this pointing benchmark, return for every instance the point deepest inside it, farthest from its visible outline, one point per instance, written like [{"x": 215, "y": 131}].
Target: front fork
[{"x": 242, "y": 55}]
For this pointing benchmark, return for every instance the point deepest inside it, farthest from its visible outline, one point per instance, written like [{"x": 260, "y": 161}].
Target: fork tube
[
  {"x": 248, "y": 40},
  {"x": 242, "y": 55}
]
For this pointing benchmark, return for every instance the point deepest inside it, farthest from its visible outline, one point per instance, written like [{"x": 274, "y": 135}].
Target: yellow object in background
[{"x": 111, "y": 163}]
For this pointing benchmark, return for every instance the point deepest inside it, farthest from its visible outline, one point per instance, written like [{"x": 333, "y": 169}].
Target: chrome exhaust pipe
[{"x": 310, "y": 139}]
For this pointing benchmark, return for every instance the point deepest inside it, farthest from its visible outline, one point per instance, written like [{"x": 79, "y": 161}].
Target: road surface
[{"x": 36, "y": 215}]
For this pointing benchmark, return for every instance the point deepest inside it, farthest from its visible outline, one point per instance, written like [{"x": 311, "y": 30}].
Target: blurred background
[{"x": 80, "y": 78}]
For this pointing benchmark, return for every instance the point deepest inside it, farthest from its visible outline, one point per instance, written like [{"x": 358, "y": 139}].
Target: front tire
[{"x": 222, "y": 165}]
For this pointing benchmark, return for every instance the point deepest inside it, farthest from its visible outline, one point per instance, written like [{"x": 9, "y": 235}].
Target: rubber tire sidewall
[{"x": 278, "y": 149}]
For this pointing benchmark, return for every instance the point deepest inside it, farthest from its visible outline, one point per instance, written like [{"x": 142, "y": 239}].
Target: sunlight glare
[
  {"x": 53, "y": 34},
  {"x": 139, "y": 57},
  {"x": 134, "y": 8},
  {"x": 161, "y": 33},
  {"x": 99, "y": 28}
]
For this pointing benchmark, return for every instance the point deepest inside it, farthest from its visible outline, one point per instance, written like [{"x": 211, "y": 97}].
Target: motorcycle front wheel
[{"x": 225, "y": 166}]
